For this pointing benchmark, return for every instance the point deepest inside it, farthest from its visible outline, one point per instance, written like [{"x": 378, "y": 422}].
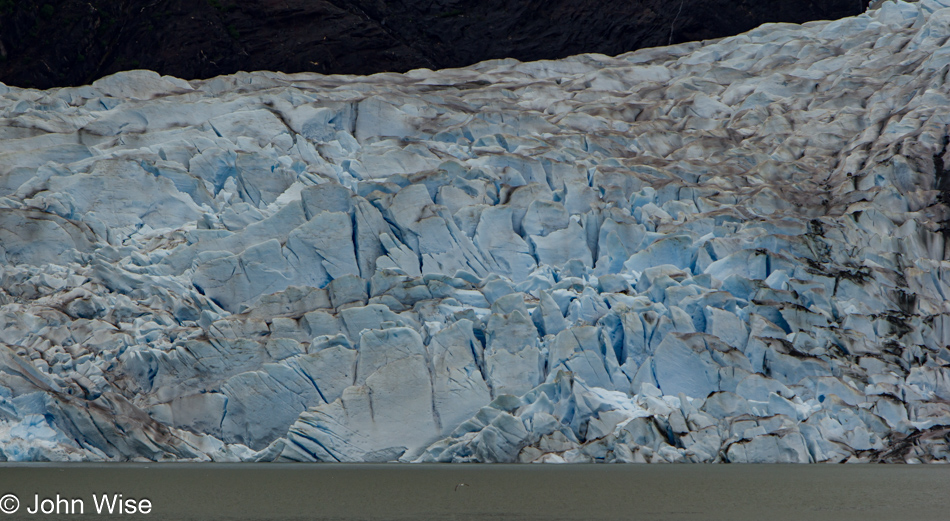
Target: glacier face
[{"x": 717, "y": 251}]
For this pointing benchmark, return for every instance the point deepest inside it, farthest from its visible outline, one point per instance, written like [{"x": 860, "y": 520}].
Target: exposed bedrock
[
  {"x": 722, "y": 251},
  {"x": 47, "y": 44}
]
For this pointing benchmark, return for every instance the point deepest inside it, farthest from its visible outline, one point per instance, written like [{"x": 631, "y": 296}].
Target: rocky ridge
[
  {"x": 46, "y": 44},
  {"x": 728, "y": 251}
]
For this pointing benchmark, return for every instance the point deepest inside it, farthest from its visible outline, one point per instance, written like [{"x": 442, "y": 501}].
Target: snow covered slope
[{"x": 721, "y": 251}]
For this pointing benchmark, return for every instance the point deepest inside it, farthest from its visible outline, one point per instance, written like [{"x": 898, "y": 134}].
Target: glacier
[{"x": 719, "y": 251}]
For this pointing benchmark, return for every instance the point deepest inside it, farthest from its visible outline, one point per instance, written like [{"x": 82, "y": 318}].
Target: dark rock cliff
[{"x": 47, "y": 43}]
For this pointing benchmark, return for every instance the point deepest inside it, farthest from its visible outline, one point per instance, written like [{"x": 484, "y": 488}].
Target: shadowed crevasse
[{"x": 942, "y": 175}]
